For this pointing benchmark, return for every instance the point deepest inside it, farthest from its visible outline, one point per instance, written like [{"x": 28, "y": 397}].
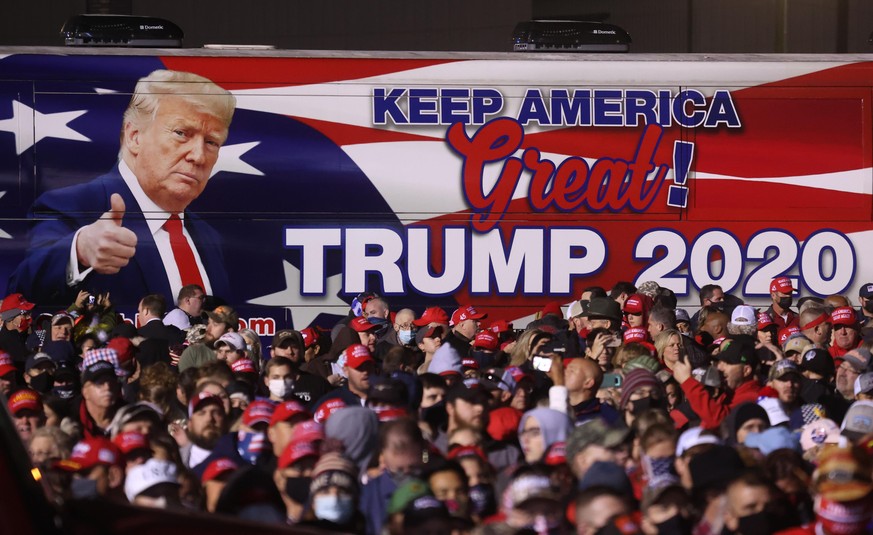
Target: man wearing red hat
[
  {"x": 15, "y": 315},
  {"x": 27, "y": 413},
  {"x": 780, "y": 310},
  {"x": 465, "y": 325},
  {"x": 97, "y": 465},
  {"x": 847, "y": 335}
]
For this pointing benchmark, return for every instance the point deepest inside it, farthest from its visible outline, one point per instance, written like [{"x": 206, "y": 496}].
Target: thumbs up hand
[{"x": 106, "y": 245}]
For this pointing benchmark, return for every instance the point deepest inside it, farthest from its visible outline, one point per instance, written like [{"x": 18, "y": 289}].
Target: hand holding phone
[{"x": 543, "y": 364}]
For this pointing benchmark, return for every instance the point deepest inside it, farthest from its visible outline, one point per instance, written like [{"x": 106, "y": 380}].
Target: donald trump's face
[{"x": 174, "y": 153}]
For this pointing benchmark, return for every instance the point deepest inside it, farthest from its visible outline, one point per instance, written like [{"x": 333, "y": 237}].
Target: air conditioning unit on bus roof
[
  {"x": 569, "y": 36},
  {"x": 122, "y": 31}
]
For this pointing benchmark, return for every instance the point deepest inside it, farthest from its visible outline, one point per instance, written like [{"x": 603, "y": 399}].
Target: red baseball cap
[
  {"x": 635, "y": 334},
  {"x": 259, "y": 411},
  {"x": 89, "y": 453},
  {"x": 14, "y": 305},
  {"x": 432, "y": 315},
  {"x": 469, "y": 362},
  {"x": 327, "y": 408},
  {"x": 25, "y": 399},
  {"x": 310, "y": 336},
  {"x": 765, "y": 320},
  {"x": 243, "y": 366},
  {"x": 218, "y": 468},
  {"x": 552, "y": 307},
  {"x": 6, "y": 365},
  {"x": 500, "y": 326},
  {"x": 129, "y": 441},
  {"x": 459, "y": 452},
  {"x": 357, "y": 355},
  {"x": 286, "y": 410},
  {"x": 781, "y": 284},
  {"x": 634, "y": 304},
  {"x": 308, "y": 431},
  {"x": 360, "y": 324},
  {"x": 844, "y": 316},
  {"x": 295, "y": 451},
  {"x": 202, "y": 399},
  {"x": 785, "y": 332},
  {"x": 485, "y": 340},
  {"x": 466, "y": 312},
  {"x": 123, "y": 348}
]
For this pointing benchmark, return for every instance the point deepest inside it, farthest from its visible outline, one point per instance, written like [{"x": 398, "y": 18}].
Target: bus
[{"x": 501, "y": 180}]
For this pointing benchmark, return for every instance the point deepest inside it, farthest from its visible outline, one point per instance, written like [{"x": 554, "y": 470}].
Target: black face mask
[
  {"x": 643, "y": 404},
  {"x": 64, "y": 392},
  {"x": 81, "y": 488},
  {"x": 718, "y": 305},
  {"x": 677, "y": 524},
  {"x": 868, "y": 306},
  {"x": 785, "y": 302},
  {"x": 754, "y": 524},
  {"x": 297, "y": 488},
  {"x": 42, "y": 383},
  {"x": 483, "y": 499},
  {"x": 235, "y": 413}
]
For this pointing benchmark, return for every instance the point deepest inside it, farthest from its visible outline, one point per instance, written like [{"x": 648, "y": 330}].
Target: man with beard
[
  {"x": 785, "y": 378},
  {"x": 221, "y": 320},
  {"x": 27, "y": 413},
  {"x": 358, "y": 367},
  {"x": 737, "y": 364},
  {"x": 101, "y": 398},
  {"x": 207, "y": 422}
]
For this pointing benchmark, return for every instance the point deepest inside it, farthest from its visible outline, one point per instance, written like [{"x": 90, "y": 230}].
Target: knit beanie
[{"x": 637, "y": 379}]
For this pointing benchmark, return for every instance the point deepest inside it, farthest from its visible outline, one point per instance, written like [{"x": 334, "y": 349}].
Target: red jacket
[{"x": 713, "y": 411}]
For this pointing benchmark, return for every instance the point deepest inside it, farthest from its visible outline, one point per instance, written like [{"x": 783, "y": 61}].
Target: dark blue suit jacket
[{"x": 41, "y": 276}]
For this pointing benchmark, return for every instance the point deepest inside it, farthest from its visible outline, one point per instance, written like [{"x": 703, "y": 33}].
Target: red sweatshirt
[{"x": 713, "y": 411}]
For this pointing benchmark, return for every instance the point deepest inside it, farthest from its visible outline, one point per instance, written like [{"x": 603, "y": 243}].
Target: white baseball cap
[{"x": 142, "y": 477}]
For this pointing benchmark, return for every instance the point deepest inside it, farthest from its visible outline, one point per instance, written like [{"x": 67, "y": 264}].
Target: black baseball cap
[{"x": 734, "y": 352}]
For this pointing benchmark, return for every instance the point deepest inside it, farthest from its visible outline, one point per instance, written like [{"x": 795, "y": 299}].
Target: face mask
[
  {"x": 785, "y": 302},
  {"x": 868, "y": 306},
  {"x": 297, "y": 488},
  {"x": 485, "y": 360},
  {"x": 643, "y": 404},
  {"x": 659, "y": 468},
  {"x": 677, "y": 524},
  {"x": 377, "y": 321},
  {"x": 405, "y": 336},
  {"x": 754, "y": 523},
  {"x": 483, "y": 499},
  {"x": 64, "y": 392},
  {"x": 83, "y": 488},
  {"x": 280, "y": 387},
  {"x": 336, "y": 509},
  {"x": 25, "y": 324},
  {"x": 42, "y": 383},
  {"x": 718, "y": 305},
  {"x": 249, "y": 445}
]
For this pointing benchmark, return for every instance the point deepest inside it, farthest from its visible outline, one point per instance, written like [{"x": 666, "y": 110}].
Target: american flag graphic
[{"x": 304, "y": 151}]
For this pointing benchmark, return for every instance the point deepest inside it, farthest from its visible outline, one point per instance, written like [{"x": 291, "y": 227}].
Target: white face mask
[
  {"x": 336, "y": 509},
  {"x": 280, "y": 387}
]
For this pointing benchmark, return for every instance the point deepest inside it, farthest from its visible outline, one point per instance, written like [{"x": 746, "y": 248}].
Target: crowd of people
[{"x": 619, "y": 413}]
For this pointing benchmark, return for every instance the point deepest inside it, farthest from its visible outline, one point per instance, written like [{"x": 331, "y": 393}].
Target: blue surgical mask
[
  {"x": 333, "y": 508},
  {"x": 406, "y": 336}
]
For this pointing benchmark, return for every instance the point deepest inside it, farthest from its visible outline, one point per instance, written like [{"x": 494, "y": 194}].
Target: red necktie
[{"x": 182, "y": 252}]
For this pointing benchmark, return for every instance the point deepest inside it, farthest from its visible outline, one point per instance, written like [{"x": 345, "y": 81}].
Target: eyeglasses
[{"x": 841, "y": 327}]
